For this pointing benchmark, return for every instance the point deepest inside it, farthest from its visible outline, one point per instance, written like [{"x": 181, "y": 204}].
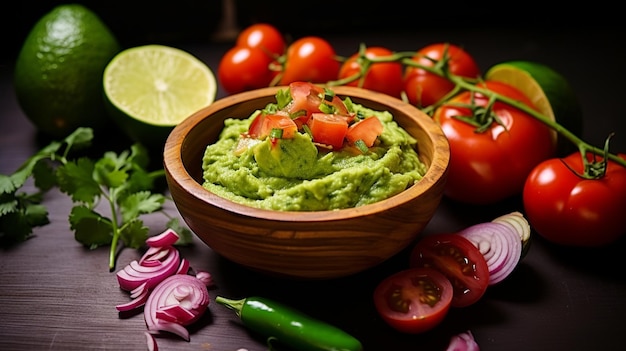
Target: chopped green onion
[
  {"x": 276, "y": 133},
  {"x": 307, "y": 130},
  {"x": 360, "y": 144},
  {"x": 297, "y": 114},
  {"x": 328, "y": 94},
  {"x": 325, "y": 108}
]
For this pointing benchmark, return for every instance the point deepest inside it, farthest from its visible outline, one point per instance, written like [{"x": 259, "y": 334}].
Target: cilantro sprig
[{"x": 109, "y": 195}]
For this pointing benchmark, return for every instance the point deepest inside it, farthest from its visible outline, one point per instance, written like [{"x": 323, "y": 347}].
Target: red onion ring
[
  {"x": 463, "y": 342},
  {"x": 500, "y": 245},
  {"x": 177, "y": 301}
]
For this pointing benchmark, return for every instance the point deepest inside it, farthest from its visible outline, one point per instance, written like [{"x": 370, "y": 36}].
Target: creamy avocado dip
[{"x": 296, "y": 175}]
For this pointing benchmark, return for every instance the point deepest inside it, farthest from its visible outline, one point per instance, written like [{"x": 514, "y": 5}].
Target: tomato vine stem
[{"x": 470, "y": 84}]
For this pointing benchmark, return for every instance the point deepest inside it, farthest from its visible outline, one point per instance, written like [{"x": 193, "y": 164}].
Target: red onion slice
[
  {"x": 177, "y": 301},
  {"x": 167, "y": 238},
  {"x": 134, "y": 274},
  {"x": 463, "y": 342},
  {"x": 152, "y": 344},
  {"x": 500, "y": 245}
]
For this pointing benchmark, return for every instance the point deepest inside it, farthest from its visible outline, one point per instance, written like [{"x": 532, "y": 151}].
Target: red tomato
[
  {"x": 366, "y": 130},
  {"x": 307, "y": 98},
  {"x": 414, "y": 300},
  {"x": 243, "y": 68},
  {"x": 310, "y": 59},
  {"x": 569, "y": 210},
  {"x": 328, "y": 129},
  {"x": 382, "y": 77},
  {"x": 423, "y": 88},
  {"x": 459, "y": 260},
  {"x": 490, "y": 166},
  {"x": 264, "y": 36}
]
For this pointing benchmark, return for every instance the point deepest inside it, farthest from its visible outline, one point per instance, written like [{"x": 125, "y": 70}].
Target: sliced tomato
[
  {"x": 414, "y": 300},
  {"x": 328, "y": 129},
  {"x": 459, "y": 260},
  {"x": 307, "y": 98},
  {"x": 366, "y": 130}
]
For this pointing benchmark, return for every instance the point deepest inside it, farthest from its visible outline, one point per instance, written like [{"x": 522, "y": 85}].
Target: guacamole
[{"x": 295, "y": 174}]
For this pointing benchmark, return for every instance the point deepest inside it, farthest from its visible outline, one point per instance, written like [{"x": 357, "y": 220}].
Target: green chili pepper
[{"x": 289, "y": 326}]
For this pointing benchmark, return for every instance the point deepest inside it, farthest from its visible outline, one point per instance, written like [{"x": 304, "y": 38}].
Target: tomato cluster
[{"x": 494, "y": 145}]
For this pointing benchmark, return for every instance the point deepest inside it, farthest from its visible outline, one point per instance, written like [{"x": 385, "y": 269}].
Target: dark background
[{"x": 191, "y": 21}]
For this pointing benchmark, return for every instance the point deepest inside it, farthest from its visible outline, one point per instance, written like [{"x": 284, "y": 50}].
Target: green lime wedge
[
  {"x": 150, "y": 89},
  {"x": 549, "y": 91}
]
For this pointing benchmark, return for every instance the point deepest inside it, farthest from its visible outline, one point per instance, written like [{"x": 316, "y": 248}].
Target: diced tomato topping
[
  {"x": 329, "y": 129},
  {"x": 278, "y": 121},
  {"x": 254, "y": 131},
  {"x": 366, "y": 130},
  {"x": 308, "y": 97}
]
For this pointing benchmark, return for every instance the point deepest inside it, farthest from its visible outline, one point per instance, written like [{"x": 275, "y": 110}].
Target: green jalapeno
[{"x": 289, "y": 326}]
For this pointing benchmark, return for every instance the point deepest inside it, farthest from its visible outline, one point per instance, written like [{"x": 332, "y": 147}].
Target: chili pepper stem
[{"x": 235, "y": 305}]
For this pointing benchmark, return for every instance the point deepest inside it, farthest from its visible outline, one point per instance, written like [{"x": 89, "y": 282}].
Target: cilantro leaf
[
  {"x": 134, "y": 233},
  {"x": 90, "y": 228},
  {"x": 76, "y": 180},
  {"x": 142, "y": 202}
]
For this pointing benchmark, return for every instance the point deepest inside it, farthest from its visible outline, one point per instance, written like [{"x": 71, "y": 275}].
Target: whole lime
[{"x": 58, "y": 71}]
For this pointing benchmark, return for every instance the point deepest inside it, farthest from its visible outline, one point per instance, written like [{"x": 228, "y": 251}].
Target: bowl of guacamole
[{"x": 307, "y": 181}]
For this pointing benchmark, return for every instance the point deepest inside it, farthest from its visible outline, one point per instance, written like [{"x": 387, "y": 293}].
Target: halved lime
[
  {"x": 150, "y": 89},
  {"x": 549, "y": 91}
]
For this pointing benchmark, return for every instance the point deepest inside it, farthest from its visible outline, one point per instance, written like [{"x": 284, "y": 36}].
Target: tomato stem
[{"x": 470, "y": 84}]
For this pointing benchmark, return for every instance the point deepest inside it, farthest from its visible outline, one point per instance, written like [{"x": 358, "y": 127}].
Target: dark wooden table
[{"x": 57, "y": 295}]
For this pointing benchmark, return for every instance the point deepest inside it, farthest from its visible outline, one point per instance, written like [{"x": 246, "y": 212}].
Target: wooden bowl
[{"x": 308, "y": 245}]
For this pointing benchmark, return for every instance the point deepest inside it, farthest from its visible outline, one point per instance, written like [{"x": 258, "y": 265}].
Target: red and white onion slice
[
  {"x": 152, "y": 344},
  {"x": 500, "y": 245},
  {"x": 463, "y": 342},
  {"x": 177, "y": 301},
  {"x": 521, "y": 226},
  {"x": 156, "y": 264}
]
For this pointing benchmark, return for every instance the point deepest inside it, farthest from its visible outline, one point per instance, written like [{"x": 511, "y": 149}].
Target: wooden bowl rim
[{"x": 173, "y": 163}]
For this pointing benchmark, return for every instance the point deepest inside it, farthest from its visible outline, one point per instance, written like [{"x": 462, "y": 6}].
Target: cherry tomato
[
  {"x": 243, "y": 68},
  {"x": 459, "y": 260},
  {"x": 569, "y": 210},
  {"x": 414, "y": 300},
  {"x": 383, "y": 77},
  {"x": 490, "y": 166},
  {"x": 264, "y": 36},
  {"x": 423, "y": 88},
  {"x": 310, "y": 59}
]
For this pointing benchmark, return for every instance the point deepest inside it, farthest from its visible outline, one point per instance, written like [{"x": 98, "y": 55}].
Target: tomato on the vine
[
  {"x": 491, "y": 165},
  {"x": 310, "y": 59},
  {"x": 414, "y": 300},
  {"x": 570, "y": 210},
  {"x": 244, "y": 68},
  {"x": 263, "y": 36},
  {"x": 384, "y": 77},
  {"x": 424, "y": 88},
  {"x": 459, "y": 260}
]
